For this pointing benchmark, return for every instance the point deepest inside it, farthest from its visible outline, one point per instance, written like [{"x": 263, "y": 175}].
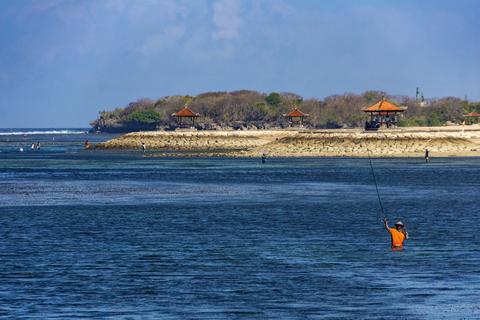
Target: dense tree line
[{"x": 251, "y": 109}]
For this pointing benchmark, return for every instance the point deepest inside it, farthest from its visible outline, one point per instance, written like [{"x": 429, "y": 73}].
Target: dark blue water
[{"x": 113, "y": 235}]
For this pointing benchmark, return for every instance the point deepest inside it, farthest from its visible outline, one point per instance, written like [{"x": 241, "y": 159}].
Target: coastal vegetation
[{"x": 247, "y": 109}]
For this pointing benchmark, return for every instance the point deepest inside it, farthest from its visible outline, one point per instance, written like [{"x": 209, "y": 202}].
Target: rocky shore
[{"x": 402, "y": 142}]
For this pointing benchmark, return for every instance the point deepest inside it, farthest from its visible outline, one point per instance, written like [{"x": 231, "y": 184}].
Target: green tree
[
  {"x": 273, "y": 99},
  {"x": 144, "y": 116},
  {"x": 187, "y": 100}
]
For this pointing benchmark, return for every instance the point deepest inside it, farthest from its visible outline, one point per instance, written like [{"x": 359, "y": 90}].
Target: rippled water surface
[{"x": 100, "y": 235}]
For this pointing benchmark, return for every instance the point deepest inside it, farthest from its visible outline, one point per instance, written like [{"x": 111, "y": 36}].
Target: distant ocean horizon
[
  {"x": 55, "y": 141},
  {"x": 35, "y": 131}
]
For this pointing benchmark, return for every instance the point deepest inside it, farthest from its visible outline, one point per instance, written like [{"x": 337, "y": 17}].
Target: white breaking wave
[{"x": 37, "y": 132}]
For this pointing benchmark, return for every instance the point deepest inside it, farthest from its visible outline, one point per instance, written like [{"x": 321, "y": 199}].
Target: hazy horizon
[{"x": 67, "y": 60}]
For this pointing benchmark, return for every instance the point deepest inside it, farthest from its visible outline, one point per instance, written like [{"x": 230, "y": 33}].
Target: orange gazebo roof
[
  {"x": 383, "y": 106},
  {"x": 295, "y": 113},
  {"x": 472, "y": 114},
  {"x": 186, "y": 112}
]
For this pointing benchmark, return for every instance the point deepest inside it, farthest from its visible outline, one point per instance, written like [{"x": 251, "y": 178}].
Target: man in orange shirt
[{"x": 398, "y": 234}]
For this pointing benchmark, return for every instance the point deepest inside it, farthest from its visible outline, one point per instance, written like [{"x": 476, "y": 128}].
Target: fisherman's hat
[{"x": 399, "y": 223}]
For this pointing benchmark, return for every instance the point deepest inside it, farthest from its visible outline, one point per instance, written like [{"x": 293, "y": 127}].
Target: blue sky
[{"x": 62, "y": 61}]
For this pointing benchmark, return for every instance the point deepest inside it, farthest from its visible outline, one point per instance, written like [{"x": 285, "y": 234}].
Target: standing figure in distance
[
  {"x": 426, "y": 155},
  {"x": 398, "y": 234}
]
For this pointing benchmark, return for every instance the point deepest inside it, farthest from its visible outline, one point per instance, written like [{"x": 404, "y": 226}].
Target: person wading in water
[
  {"x": 426, "y": 155},
  {"x": 398, "y": 234}
]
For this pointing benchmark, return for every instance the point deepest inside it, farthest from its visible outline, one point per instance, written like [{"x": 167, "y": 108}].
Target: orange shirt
[{"x": 397, "y": 238}]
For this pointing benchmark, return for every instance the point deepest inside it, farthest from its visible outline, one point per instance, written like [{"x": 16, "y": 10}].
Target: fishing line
[{"x": 376, "y": 185}]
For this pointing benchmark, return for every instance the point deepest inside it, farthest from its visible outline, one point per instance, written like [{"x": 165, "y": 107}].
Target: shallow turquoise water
[{"x": 101, "y": 235}]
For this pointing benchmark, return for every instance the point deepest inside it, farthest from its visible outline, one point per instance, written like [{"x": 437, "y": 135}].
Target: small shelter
[
  {"x": 295, "y": 116},
  {"x": 472, "y": 117},
  {"x": 382, "y": 113},
  {"x": 186, "y": 113}
]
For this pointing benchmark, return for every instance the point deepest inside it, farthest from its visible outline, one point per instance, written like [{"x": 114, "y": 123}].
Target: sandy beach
[{"x": 399, "y": 142}]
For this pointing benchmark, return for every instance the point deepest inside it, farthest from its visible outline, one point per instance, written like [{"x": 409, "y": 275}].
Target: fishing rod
[{"x": 376, "y": 185}]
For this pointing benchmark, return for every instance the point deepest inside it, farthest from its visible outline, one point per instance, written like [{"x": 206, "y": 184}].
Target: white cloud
[{"x": 226, "y": 17}]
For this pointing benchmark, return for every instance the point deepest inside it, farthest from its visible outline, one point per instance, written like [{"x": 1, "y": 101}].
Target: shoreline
[{"x": 455, "y": 141}]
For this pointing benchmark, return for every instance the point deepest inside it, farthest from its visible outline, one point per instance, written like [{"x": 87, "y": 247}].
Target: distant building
[
  {"x": 382, "y": 114},
  {"x": 185, "y": 117},
  {"x": 472, "y": 117},
  {"x": 295, "y": 117}
]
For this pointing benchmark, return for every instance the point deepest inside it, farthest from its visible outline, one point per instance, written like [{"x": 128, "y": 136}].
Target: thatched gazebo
[
  {"x": 295, "y": 116},
  {"x": 382, "y": 113},
  {"x": 186, "y": 113},
  {"x": 472, "y": 117}
]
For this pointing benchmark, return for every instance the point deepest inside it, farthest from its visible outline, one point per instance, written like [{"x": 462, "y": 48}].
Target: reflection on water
[{"x": 96, "y": 235}]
